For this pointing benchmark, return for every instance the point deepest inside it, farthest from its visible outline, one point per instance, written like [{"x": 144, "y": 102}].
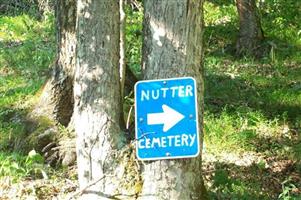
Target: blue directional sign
[{"x": 166, "y": 119}]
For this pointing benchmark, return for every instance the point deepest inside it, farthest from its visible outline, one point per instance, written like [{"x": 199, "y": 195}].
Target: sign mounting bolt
[
  {"x": 191, "y": 116},
  {"x": 168, "y": 154},
  {"x": 164, "y": 82},
  {"x": 140, "y": 119}
]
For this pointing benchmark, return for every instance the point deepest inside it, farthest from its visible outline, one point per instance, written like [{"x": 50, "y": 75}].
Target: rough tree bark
[
  {"x": 172, "y": 47},
  {"x": 56, "y": 100},
  {"x": 250, "y": 31},
  {"x": 97, "y": 98}
]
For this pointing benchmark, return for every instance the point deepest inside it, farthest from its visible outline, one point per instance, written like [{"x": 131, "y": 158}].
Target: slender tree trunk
[
  {"x": 172, "y": 47},
  {"x": 250, "y": 31},
  {"x": 97, "y": 98},
  {"x": 56, "y": 101},
  {"x": 122, "y": 65}
]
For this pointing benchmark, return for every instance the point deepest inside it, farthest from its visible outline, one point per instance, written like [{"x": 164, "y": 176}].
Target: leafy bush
[
  {"x": 133, "y": 38},
  {"x": 18, "y": 166}
]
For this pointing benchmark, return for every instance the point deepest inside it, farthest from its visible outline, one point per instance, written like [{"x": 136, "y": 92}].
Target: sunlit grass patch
[
  {"x": 217, "y": 13},
  {"x": 221, "y": 26},
  {"x": 253, "y": 108},
  {"x": 249, "y": 103},
  {"x": 24, "y": 27},
  {"x": 27, "y": 47},
  {"x": 15, "y": 91},
  {"x": 239, "y": 131}
]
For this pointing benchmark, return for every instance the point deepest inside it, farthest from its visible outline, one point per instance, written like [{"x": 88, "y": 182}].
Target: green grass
[
  {"x": 253, "y": 105},
  {"x": 226, "y": 186},
  {"x": 244, "y": 96},
  {"x": 18, "y": 166},
  {"x": 27, "y": 48},
  {"x": 26, "y": 51}
]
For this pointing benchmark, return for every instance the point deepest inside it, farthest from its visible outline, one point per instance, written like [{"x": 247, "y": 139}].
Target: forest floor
[
  {"x": 253, "y": 106},
  {"x": 252, "y": 118},
  {"x": 252, "y": 129}
]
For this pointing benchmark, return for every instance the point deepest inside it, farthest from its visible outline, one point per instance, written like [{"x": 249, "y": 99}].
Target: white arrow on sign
[{"x": 169, "y": 118}]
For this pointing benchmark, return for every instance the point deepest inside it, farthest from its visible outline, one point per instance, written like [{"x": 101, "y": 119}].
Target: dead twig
[
  {"x": 81, "y": 192},
  {"x": 128, "y": 118}
]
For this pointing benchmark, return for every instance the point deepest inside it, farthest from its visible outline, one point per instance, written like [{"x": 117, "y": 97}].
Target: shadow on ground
[
  {"x": 273, "y": 97},
  {"x": 266, "y": 180}
]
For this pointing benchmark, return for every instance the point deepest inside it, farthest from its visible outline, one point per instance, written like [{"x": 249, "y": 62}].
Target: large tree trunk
[
  {"x": 97, "y": 98},
  {"x": 250, "y": 31},
  {"x": 172, "y": 47},
  {"x": 56, "y": 101}
]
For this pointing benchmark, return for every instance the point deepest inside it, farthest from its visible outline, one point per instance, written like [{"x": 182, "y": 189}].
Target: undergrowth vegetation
[
  {"x": 252, "y": 107},
  {"x": 18, "y": 166},
  {"x": 133, "y": 36},
  {"x": 26, "y": 50},
  {"x": 27, "y": 47}
]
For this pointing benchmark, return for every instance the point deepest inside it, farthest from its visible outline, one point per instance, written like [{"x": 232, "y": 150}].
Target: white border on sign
[{"x": 197, "y": 120}]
